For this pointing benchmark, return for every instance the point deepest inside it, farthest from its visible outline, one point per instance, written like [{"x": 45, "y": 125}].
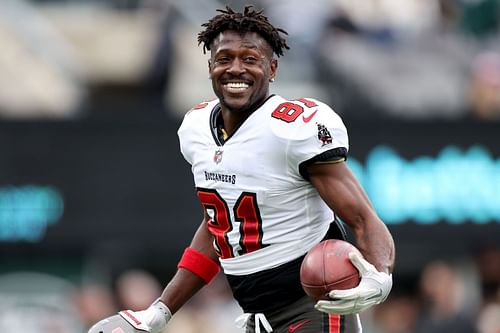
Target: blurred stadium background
[{"x": 97, "y": 204}]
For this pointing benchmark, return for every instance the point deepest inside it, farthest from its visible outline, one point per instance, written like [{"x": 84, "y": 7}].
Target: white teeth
[{"x": 237, "y": 85}]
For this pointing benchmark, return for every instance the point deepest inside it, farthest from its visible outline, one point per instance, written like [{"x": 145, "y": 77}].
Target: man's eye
[
  {"x": 250, "y": 60},
  {"x": 223, "y": 60}
]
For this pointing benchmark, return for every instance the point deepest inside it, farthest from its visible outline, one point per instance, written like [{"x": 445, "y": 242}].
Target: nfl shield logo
[{"x": 218, "y": 156}]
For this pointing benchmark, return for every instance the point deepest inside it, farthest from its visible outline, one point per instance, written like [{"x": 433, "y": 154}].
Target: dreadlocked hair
[{"x": 249, "y": 21}]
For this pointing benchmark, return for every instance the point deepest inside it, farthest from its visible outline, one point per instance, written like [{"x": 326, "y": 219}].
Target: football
[{"x": 327, "y": 267}]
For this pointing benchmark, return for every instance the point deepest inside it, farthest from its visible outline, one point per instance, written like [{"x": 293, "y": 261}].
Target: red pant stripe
[{"x": 333, "y": 323}]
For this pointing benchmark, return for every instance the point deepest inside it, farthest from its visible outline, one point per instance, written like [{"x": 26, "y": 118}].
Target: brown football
[{"x": 327, "y": 267}]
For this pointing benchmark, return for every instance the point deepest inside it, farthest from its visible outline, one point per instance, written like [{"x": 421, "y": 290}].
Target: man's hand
[
  {"x": 152, "y": 320},
  {"x": 373, "y": 289}
]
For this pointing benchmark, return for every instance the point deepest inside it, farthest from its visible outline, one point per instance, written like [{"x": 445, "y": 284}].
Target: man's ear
[
  {"x": 274, "y": 68},
  {"x": 209, "y": 69}
]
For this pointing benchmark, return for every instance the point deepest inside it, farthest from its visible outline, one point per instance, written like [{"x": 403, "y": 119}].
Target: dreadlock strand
[{"x": 250, "y": 20}]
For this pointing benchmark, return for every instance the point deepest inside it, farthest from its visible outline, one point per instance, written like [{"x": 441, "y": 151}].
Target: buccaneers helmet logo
[{"x": 324, "y": 135}]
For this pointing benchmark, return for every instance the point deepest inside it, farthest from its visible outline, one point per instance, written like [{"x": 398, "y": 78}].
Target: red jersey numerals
[
  {"x": 219, "y": 225},
  {"x": 308, "y": 103},
  {"x": 289, "y": 111},
  {"x": 246, "y": 212},
  {"x": 199, "y": 106}
]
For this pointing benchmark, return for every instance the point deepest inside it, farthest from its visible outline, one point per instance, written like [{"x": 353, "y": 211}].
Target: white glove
[
  {"x": 152, "y": 320},
  {"x": 373, "y": 289}
]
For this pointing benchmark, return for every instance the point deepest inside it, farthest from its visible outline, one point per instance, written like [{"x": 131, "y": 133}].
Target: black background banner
[{"x": 127, "y": 191}]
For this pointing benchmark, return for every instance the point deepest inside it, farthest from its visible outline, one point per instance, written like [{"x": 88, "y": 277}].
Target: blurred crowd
[
  {"x": 410, "y": 59},
  {"x": 450, "y": 295},
  {"x": 405, "y": 58},
  {"x": 413, "y": 59}
]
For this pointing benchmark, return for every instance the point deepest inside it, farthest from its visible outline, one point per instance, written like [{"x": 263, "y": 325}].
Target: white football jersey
[{"x": 263, "y": 211}]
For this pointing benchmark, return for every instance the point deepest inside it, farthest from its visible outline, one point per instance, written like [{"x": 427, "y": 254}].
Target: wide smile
[{"x": 236, "y": 87}]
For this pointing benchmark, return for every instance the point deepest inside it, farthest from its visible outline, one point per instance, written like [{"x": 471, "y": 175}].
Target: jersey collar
[{"x": 217, "y": 124}]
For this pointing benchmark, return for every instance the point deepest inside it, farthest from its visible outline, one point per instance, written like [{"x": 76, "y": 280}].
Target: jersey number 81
[{"x": 245, "y": 211}]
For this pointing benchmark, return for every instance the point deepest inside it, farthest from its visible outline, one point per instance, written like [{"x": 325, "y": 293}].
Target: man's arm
[
  {"x": 341, "y": 191},
  {"x": 198, "y": 265},
  {"x": 185, "y": 284},
  {"x": 344, "y": 195}
]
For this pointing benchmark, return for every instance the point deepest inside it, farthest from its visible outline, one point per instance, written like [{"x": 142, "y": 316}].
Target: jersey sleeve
[
  {"x": 183, "y": 135},
  {"x": 191, "y": 131},
  {"x": 318, "y": 135}
]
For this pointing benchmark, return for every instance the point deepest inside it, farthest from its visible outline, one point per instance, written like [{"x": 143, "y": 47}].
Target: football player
[{"x": 271, "y": 176}]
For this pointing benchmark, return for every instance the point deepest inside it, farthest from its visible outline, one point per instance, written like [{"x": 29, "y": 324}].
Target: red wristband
[{"x": 199, "y": 264}]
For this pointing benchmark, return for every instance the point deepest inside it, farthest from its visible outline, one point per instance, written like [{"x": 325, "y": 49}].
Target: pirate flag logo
[
  {"x": 218, "y": 156},
  {"x": 324, "y": 135}
]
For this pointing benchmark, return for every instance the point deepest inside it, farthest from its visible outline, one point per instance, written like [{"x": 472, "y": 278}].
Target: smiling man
[
  {"x": 241, "y": 66},
  {"x": 271, "y": 177}
]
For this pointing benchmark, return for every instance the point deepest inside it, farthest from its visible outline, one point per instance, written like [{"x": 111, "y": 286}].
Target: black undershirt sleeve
[{"x": 332, "y": 155}]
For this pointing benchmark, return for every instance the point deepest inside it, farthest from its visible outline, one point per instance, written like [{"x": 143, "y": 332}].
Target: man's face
[{"x": 240, "y": 67}]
